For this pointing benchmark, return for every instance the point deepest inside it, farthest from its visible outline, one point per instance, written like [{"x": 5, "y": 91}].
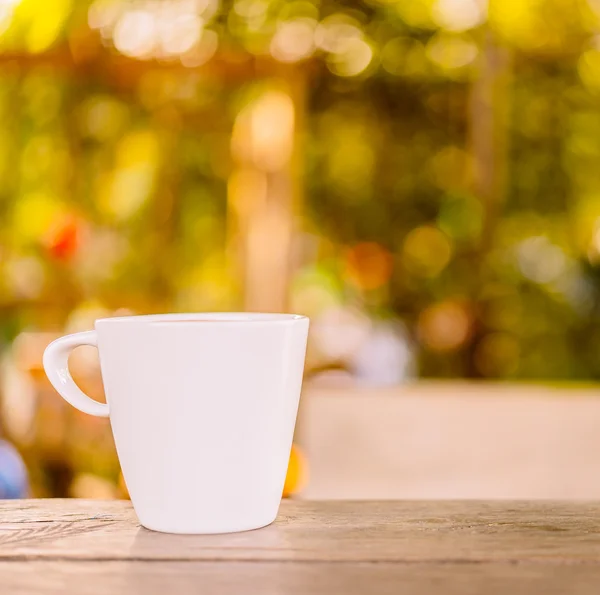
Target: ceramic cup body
[{"x": 202, "y": 408}]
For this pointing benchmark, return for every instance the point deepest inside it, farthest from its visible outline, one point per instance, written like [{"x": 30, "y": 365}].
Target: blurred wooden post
[
  {"x": 489, "y": 129},
  {"x": 263, "y": 190},
  {"x": 488, "y": 139}
]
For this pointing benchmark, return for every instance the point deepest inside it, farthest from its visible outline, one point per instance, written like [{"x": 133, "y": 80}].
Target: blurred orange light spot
[
  {"x": 369, "y": 265},
  {"x": 296, "y": 473},
  {"x": 445, "y": 326},
  {"x": 87, "y": 485},
  {"x": 122, "y": 488},
  {"x": 63, "y": 240},
  {"x": 263, "y": 133}
]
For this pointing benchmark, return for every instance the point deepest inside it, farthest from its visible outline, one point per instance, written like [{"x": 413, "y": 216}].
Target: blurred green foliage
[{"x": 449, "y": 158}]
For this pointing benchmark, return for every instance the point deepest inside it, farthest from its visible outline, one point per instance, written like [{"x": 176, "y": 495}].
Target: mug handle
[{"x": 56, "y": 365}]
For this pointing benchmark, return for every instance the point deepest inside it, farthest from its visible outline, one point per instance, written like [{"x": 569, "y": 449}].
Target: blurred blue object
[{"x": 13, "y": 474}]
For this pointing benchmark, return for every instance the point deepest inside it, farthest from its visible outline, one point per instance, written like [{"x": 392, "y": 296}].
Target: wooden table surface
[{"x": 90, "y": 547}]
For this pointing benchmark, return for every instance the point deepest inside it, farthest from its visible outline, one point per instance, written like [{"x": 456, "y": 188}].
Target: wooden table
[{"x": 479, "y": 548}]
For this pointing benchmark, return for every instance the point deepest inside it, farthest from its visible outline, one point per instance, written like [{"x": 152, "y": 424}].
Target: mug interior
[{"x": 203, "y": 317}]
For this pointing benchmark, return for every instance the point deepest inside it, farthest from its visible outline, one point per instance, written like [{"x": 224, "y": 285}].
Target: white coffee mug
[{"x": 202, "y": 408}]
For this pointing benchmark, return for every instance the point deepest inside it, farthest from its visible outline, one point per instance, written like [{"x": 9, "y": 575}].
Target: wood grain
[
  {"x": 64, "y": 546},
  {"x": 551, "y": 532},
  {"x": 298, "y": 578}
]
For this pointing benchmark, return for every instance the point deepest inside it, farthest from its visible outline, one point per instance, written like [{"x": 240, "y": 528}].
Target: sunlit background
[{"x": 420, "y": 177}]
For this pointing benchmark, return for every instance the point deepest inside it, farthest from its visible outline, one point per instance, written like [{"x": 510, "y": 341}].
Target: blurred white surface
[{"x": 451, "y": 440}]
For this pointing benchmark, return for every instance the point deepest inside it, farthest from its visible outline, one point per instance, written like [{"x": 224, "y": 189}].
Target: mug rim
[{"x": 212, "y": 317}]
